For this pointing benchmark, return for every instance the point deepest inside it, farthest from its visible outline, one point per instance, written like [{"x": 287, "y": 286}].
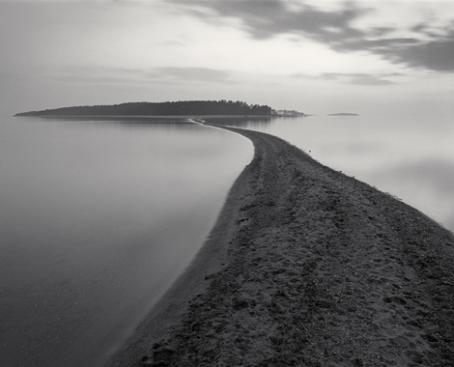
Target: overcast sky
[{"x": 316, "y": 56}]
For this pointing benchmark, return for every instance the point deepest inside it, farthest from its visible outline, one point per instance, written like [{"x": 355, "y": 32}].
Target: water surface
[{"x": 97, "y": 218}]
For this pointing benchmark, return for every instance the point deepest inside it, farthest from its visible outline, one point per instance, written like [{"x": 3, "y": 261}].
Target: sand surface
[{"x": 307, "y": 267}]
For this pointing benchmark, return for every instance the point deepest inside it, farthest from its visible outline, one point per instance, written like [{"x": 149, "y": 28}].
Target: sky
[{"x": 316, "y": 56}]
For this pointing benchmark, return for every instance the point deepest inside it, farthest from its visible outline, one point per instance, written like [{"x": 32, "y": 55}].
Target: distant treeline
[{"x": 222, "y": 107}]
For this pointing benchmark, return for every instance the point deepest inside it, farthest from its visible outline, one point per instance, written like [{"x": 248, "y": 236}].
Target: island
[
  {"x": 178, "y": 108},
  {"x": 343, "y": 114}
]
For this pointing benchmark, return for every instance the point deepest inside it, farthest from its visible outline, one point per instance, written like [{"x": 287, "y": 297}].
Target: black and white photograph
[{"x": 226, "y": 183}]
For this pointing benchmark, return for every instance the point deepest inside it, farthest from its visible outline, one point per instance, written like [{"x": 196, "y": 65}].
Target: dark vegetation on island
[{"x": 222, "y": 107}]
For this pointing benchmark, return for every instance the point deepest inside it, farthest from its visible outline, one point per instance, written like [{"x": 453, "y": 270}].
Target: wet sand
[{"x": 306, "y": 267}]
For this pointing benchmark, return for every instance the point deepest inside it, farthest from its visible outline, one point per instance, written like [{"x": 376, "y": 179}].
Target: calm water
[
  {"x": 96, "y": 220},
  {"x": 411, "y": 157}
]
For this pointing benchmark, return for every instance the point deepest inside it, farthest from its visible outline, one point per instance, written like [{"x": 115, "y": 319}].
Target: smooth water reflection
[
  {"x": 411, "y": 157},
  {"x": 97, "y": 219}
]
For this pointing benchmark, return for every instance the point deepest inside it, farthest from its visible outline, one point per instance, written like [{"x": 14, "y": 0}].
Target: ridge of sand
[{"x": 307, "y": 267}]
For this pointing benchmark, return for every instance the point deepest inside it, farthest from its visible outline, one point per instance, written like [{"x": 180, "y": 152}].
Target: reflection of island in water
[{"x": 343, "y": 114}]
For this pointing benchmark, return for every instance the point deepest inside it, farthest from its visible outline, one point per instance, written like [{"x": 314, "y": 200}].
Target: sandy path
[{"x": 307, "y": 267}]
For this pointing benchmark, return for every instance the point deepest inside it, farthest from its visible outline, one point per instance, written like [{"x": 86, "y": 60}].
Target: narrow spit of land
[{"x": 307, "y": 267}]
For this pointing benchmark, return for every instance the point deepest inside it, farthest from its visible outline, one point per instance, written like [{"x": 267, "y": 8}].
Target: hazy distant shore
[{"x": 306, "y": 266}]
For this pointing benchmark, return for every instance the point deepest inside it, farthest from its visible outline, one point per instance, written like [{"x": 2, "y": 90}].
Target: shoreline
[
  {"x": 194, "y": 280},
  {"x": 306, "y": 266}
]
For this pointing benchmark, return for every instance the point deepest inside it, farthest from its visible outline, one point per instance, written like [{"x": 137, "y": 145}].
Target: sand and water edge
[{"x": 306, "y": 266}]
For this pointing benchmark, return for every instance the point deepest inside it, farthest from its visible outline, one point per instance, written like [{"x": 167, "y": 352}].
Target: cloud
[
  {"x": 268, "y": 18},
  {"x": 355, "y": 78},
  {"x": 433, "y": 54},
  {"x": 436, "y": 54},
  {"x": 429, "y": 49},
  {"x": 361, "y": 78},
  {"x": 169, "y": 75}
]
